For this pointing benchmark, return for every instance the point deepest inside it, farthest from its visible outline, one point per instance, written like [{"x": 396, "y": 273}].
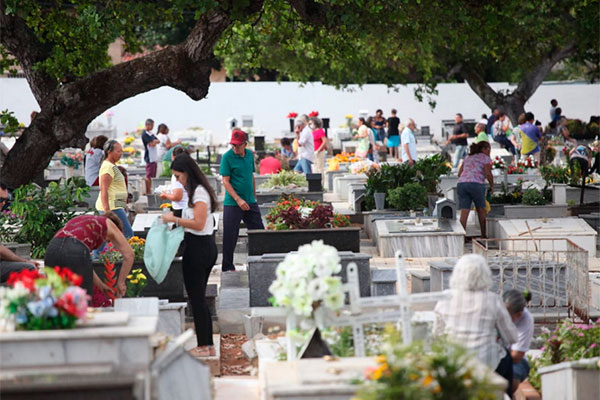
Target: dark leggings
[
  {"x": 505, "y": 370},
  {"x": 199, "y": 257},
  {"x": 71, "y": 253}
]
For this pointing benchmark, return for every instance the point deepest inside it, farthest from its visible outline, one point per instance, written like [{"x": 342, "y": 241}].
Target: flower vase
[
  {"x": 496, "y": 172},
  {"x": 69, "y": 172},
  {"x": 379, "y": 201},
  {"x": 531, "y": 171},
  {"x": 292, "y": 125}
]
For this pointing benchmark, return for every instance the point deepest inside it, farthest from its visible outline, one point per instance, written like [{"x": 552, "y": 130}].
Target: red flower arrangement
[
  {"x": 313, "y": 114},
  {"x": 512, "y": 170},
  {"x": 292, "y": 115}
]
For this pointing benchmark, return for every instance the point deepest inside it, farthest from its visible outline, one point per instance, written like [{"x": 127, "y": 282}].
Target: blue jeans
[
  {"x": 504, "y": 141},
  {"x": 127, "y": 230},
  {"x": 469, "y": 193},
  {"x": 521, "y": 369},
  {"x": 303, "y": 165},
  {"x": 459, "y": 154}
]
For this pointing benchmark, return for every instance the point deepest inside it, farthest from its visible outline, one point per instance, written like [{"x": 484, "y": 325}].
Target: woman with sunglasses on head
[
  {"x": 200, "y": 254},
  {"x": 113, "y": 187}
]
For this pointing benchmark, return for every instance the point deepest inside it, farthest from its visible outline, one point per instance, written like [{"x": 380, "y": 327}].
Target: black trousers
[
  {"x": 232, "y": 216},
  {"x": 505, "y": 370},
  {"x": 73, "y": 254},
  {"x": 199, "y": 257}
]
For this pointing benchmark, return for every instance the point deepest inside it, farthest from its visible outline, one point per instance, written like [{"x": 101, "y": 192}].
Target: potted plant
[
  {"x": 567, "y": 342},
  {"x": 291, "y": 117},
  {"x": 445, "y": 371},
  {"x": 497, "y": 166},
  {"x": 293, "y": 222},
  {"x": 411, "y": 196}
]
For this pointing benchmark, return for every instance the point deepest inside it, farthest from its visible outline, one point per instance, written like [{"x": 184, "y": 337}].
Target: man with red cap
[{"x": 237, "y": 170}]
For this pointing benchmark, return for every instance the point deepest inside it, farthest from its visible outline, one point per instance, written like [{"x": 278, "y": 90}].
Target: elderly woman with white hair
[{"x": 474, "y": 316}]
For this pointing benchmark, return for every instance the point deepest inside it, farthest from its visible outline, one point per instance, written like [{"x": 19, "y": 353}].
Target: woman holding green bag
[{"x": 200, "y": 254}]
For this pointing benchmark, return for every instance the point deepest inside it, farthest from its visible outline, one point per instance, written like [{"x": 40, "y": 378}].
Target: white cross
[{"x": 367, "y": 310}]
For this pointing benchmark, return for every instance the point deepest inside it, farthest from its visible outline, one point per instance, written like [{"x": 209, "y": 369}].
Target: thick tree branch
[
  {"x": 22, "y": 43},
  {"x": 535, "y": 77},
  {"x": 67, "y": 110},
  {"x": 480, "y": 86}
]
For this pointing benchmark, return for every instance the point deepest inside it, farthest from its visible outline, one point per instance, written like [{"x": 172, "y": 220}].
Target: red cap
[{"x": 238, "y": 137}]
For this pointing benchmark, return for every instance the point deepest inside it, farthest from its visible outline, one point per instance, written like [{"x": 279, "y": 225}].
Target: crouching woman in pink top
[{"x": 72, "y": 244}]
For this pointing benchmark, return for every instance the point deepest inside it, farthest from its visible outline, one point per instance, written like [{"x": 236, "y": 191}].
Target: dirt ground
[{"x": 233, "y": 360}]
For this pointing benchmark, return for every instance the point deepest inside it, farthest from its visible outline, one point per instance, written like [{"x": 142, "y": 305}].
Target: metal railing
[{"x": 555, "y": 271}]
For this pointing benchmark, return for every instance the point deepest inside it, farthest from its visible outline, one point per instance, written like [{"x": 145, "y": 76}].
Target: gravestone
[
  {"x": 178, "y": 375},
  {"x": 314, "y": 182},
  {"x": 420, "y": 281},
  {"x": 383, "y": 282},
  {"x": 261, "y": 274}
]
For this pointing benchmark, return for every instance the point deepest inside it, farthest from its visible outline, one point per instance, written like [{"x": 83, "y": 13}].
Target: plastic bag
[{"x": 161, "y": 247}]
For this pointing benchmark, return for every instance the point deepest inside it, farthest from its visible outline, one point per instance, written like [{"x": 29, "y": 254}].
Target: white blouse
[{"x": 200, "y": 195}]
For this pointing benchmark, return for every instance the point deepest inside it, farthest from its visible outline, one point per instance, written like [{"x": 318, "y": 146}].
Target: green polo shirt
[
  {"x": 482, "y": 137},
  {"x": 240, "y": 171}
]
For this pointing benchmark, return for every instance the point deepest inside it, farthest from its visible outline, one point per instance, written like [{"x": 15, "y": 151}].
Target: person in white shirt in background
[
  {"x": 164, "y": 145},
  {"x": 178, "y": 196},
  {"x": 515, "y": 303},
  {"x": 474, "y": 316},
  {"x": 306, "y": 145},
  {"x": 409, "y": 143}
]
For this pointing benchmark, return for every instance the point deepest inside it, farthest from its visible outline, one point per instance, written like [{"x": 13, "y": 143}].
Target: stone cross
[{"x": 369, "y": 310}]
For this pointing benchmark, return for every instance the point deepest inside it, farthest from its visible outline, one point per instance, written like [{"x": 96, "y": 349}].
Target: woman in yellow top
[{"x": 113, "y": 190}]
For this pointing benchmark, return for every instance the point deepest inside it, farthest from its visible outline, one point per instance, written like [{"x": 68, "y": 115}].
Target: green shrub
[
  {"x": 412, "y": 196},
  {"x": 285, "y": 178},
  {"x": 553, "y": 174},
  {"x": 43, "y": 211},
  {"x": 576, "y": 128},
  {"x": 592, "y": 130},
  {"x": 533, "y": 197},
  {"x": 426, "y": 172},
  {"x": 567, "y": 342}
]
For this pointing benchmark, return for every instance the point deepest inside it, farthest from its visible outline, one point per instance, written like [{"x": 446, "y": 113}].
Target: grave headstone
[{"x": 261, "y": 273}]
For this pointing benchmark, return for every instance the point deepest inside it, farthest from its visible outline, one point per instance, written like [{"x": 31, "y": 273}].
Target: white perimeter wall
[{"x": 270, "y": 102}]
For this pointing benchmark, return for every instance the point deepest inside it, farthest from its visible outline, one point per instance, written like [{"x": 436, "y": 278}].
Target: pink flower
[
  {"x": 580, "y": 334},
  {"x": 543, "y": 348},
  {"x": 593, "y": 345}
]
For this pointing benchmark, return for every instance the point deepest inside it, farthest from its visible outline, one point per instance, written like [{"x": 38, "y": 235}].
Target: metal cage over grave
[{"x": 555, "y": 271}]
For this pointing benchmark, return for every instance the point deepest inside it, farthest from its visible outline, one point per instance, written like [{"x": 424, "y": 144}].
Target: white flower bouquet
[{"x": 305, "y": 280}]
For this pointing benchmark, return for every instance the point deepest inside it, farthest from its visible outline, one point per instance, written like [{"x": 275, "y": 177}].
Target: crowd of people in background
[{"x": 306, "y": 153}]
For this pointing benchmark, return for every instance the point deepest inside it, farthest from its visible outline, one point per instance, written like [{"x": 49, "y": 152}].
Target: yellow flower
[
  {"x": 165, "y": 205},
  {"x": 134, "y": 281},
  {"x": 349, "y": 116},
  {"x": 129, "y": 276},
  {"x": 427, "y": 381},
  {"x": 413, "y": 377},
  {"x": 381, "y": 359},
  {"x": 437, "y": 389},
  {"x": 141, "y": 276},
  {"x": 137, "y": 271},
  {"x": 377, "y": 374}
]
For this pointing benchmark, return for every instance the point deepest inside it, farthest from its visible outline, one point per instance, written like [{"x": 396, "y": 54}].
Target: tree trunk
[
  {"x": 513, "y": 104},
  {"x": 67, "y": 110}
]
